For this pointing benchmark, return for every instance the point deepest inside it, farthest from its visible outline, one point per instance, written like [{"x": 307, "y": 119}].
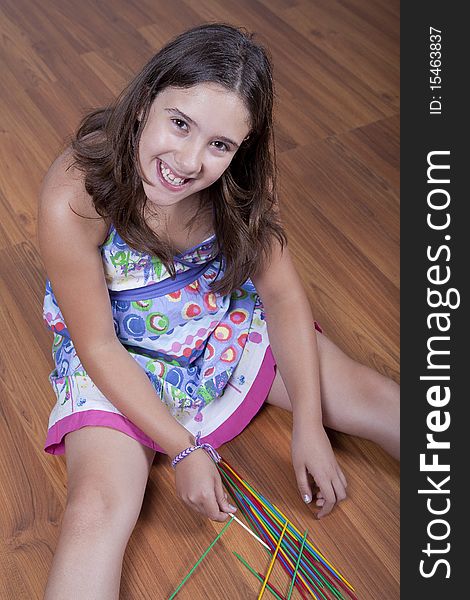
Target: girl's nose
[{"x": 188, "y": 159}]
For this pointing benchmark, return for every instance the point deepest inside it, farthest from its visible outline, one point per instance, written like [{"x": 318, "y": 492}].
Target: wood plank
[{"x": 337, "y": 127}]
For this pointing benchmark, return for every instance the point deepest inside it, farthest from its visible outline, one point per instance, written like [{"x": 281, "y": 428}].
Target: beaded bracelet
[{"x": 207, "y": 447}]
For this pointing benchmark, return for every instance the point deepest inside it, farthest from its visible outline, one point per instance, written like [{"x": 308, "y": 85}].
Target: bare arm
[
  {"x": 70, "y": 250},
  {"x": 280, "y": 288}
]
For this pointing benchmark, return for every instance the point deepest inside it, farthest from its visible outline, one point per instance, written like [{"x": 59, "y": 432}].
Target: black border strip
[{"x": 424, "y": 410}]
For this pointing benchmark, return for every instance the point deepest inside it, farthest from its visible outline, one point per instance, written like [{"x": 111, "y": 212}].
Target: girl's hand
[
  {"x": 312, "y": 453},
  {"x": 199, "y": 485}
]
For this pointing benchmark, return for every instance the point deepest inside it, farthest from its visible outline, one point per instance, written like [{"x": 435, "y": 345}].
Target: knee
[
  {"x": 90, "y": 507},
  {"x": 94, "y": 511}
]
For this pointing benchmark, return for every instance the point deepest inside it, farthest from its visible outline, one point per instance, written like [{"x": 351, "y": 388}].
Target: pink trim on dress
[
  {"x": 254, "y": 400},
  {"x": 94, "y": 418},
  {"x": 234, "y": 425},
  {"x": 228, "y": 430}
]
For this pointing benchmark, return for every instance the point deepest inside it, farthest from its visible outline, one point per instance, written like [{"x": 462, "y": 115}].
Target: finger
[
  {"x": 222, "y": 499},
  {"x": 208, "y": 507},
  {"x": 211, "y": 510},
  {"x": 212, "y": 501},
  {"x": 340, "y": 491},
  {"x": 320, "y": 500},
  {"x": 220, "y": 517},
  {"x": 303, "y": 484},
  {"x": 330, "y": 499},
  {"x": 342, "y": 477}
]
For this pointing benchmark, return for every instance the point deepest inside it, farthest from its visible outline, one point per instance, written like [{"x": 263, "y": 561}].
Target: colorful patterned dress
[{"x": 207, "y": 355}]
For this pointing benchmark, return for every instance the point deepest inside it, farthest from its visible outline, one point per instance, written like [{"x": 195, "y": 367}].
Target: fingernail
[
  {"x": 232, "y": 507},
  {"x": 307, "y": 499}
]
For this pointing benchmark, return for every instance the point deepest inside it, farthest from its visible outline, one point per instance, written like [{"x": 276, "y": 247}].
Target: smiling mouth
[{"x": 169, "y": 177}]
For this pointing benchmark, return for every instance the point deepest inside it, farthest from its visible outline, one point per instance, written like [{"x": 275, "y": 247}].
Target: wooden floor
[{"x": 337, "y": 75}]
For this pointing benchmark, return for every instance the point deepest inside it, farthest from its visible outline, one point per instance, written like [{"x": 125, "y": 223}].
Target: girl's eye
[
  {"x": 220, "y": 146},
  {"x": 180, "y": 124}
]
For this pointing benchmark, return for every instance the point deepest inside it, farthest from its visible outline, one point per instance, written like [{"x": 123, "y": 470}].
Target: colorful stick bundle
[{"x": 310, "y": 572}]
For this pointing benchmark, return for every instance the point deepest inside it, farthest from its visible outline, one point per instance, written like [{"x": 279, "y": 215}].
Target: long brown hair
[{"x": 242, "y": 202}]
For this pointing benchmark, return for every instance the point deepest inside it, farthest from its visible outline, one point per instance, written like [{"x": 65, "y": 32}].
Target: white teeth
[{"x": 169, "y": 177}]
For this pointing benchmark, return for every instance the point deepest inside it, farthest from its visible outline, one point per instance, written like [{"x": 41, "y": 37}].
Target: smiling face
[{"x": 190, "y": 137}]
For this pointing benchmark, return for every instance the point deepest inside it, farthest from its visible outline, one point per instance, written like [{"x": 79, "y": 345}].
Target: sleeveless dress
[{"x": 207, "y": 355}]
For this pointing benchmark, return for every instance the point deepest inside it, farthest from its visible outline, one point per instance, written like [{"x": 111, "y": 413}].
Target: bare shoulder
[
  {"x": 69, "y": 247},
  {"x": 279, "y": 267},
  {"x": 63, "y": 197}
]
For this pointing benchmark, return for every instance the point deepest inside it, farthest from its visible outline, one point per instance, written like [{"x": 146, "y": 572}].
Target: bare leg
[
  {"x": 107, "y": 475},
  {"x": 355, "y": 399}
]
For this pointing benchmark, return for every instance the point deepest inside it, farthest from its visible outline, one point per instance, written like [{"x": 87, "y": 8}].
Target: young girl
[{"x": 169, "y": 279}]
